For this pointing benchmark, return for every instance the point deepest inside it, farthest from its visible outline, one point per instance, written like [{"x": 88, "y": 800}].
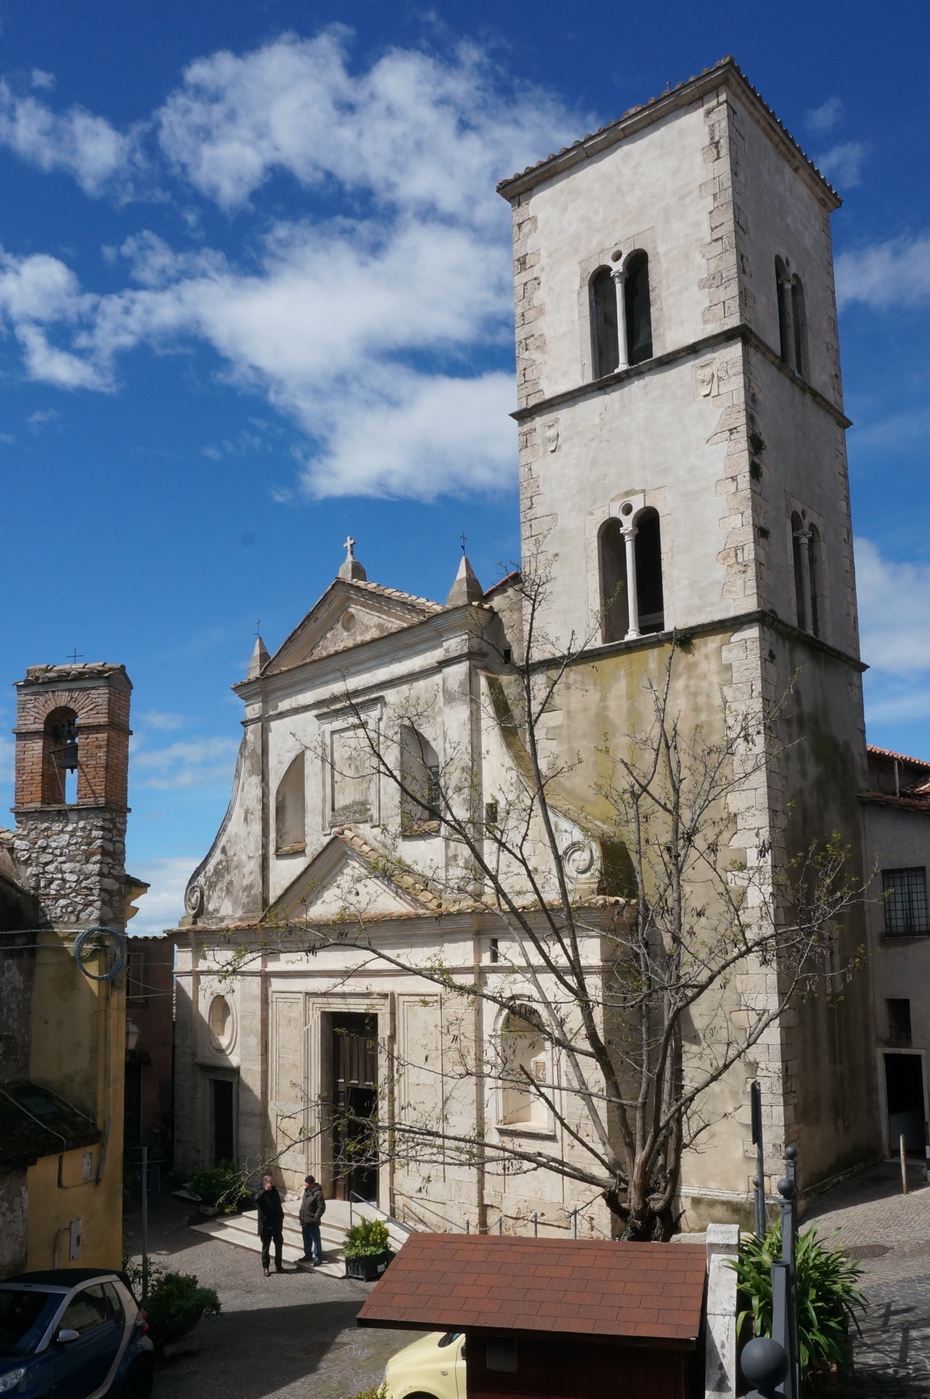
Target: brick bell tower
[{"x": 72, "y": 762}]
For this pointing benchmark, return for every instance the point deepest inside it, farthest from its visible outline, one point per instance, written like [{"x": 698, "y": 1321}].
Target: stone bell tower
[
  {"x": 683, "y": 469},
  {"x": 72, "y": 762}
]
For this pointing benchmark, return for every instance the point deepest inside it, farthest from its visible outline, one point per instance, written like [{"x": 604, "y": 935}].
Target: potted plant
[
  {"x": 174, "y": 1305},
  {"x": 220, "y": 1189},
  {"x": 366, "y": 1251},
  {"x": 828, "y": 1296}
]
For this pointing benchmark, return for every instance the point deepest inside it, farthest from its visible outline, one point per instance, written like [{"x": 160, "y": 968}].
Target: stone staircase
[{"x": 242, "y": 1230}]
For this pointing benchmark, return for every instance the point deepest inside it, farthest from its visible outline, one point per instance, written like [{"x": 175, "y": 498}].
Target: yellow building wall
[{"x": 78, "y": 1049}]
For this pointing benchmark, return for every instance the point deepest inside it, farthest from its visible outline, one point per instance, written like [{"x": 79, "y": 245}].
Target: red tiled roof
[
  {"x": 641, "y": 1292},
  {"x": 901, "y": 757}
]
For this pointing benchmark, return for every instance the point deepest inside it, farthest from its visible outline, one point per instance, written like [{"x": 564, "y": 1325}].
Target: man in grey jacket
[{"x": 312, "y": 1206}]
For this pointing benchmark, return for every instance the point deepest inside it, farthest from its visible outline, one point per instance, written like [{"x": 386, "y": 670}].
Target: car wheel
[
  {"x": 139, "y": 1379},
  {"x": 421, "y": 1394}
]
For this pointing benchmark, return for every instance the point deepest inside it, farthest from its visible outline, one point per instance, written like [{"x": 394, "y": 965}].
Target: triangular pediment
[
  {"x": 342, "y": 882},
  {"x": 347, "y": 615}
]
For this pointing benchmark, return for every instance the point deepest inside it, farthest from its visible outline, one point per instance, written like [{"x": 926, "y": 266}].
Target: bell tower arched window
[
  {"x": 606, "y": 345},
  {"x": 807, "y": 559},
  {"x": 614, "y": 601},
  {"x": 792, "y": 317},
  {"x": 638, "y": 308},
  {"x": 649, "y": 572},
  {"x": 630, "y": 559},
  {"x": 60, "y": 758}
]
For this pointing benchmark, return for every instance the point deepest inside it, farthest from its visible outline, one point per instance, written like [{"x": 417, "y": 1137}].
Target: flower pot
[
  {"x": 178, "y": 1326},
  {"x": 368, "y": 1267}
]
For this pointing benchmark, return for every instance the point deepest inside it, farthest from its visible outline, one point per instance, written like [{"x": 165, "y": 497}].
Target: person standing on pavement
[
  {"x": 312, "y": 1207},
  {"x": 270, "y": 1224}
]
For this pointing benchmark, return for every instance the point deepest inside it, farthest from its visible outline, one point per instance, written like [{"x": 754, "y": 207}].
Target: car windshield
[{"x": 24, "y": 1316}]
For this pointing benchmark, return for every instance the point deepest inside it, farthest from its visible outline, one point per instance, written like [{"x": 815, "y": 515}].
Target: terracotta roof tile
[
  {"x": 645, "y": 1291},
  {"x": 902, "y": 757}
]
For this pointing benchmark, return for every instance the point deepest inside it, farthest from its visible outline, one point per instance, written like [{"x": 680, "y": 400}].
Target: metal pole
[
  {"x": 927, "y": 1151},
  {"x": 574, "y": 1224},
  {"x": 500, "y": 1225},
  {"x": 145, "y": 1222},
  {"x": 755, "y": 1098},
  {"x": 903, "y": 1150},
  {"x": 788, "y": 1190},
  {"x": 781, "y": 1322},
  {"x": 468, "y": 1226},
  {"x": 535, "y": 1226}
]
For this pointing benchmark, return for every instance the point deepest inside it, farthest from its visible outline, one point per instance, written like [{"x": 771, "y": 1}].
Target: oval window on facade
[{"x": 221, "y": 1022}]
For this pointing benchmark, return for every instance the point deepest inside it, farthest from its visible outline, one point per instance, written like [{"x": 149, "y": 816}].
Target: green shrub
[
  {"x": 175, "y": 1302},
  {"x": 366, "y": 1239},
  {"x": 828, "y": 1295},
  {"x": 220, "y": 1185},
  {"x": 379, "y": 1393}
]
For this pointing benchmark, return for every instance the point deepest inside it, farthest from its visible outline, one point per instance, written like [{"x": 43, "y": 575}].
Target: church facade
[{"x": 682, "y": 478}]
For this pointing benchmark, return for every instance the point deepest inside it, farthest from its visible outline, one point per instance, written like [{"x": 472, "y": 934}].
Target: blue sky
[{"x": 255, "y": 294}]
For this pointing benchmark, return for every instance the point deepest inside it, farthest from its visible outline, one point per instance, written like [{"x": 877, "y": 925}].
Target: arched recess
[
  {"x": 290, "y": 825},
  {"x": 60, "y": 757},
  {"x": 798, "y": 326},
  {"x": 782, "y": 291},
  {"x": 420, "y": 798},
  {"x": 614, "y": 594},
  {"x": 649, "y": 592},
  {"x": 638, "y": 307},
  {"x": 525, "y": 1060},
  {"x": 800, "y": 560},
  {"x": 605, "y": 343},
  {"x": 815, "y": 570}
]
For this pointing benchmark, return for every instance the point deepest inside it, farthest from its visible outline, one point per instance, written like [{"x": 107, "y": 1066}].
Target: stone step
[{"x": 242, "y": 1231}]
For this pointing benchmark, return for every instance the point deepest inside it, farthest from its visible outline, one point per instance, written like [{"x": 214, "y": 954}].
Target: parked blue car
[{"x": 73, "y": 1333}]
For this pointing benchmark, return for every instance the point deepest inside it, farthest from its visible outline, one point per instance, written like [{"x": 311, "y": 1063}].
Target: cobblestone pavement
[
  {"x": 290, "y": 1336},
  {"x": 890, "y": 1233}
]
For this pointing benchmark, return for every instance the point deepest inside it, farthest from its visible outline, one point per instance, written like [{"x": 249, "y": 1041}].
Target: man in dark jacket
[
  {"x": 312, "y": 1206},
  {"x": 270, "y": 1224}
]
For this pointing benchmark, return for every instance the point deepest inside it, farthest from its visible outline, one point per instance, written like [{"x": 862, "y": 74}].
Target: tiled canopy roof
[{"x": 638, "y": 1292}]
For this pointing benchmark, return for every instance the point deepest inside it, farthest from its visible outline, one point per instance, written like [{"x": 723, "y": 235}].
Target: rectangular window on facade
[
  {"x": 899, "y": 1021},
  {"x": 905, "y": 895},
  {"x": 135, "y": 976}
]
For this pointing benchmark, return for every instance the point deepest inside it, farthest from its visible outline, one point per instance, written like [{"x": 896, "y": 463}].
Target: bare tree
[{"x": 635, "y": 991}]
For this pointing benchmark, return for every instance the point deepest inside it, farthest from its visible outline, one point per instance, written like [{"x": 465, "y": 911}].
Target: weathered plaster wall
[
  {"x": 14, "y": 1206},
  {"x": 897, "y": 838}
]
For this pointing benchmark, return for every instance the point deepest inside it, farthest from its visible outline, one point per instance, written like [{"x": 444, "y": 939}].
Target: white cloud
[
  {"x": 894, "y": 273},
  {"x": 163, "y": 905},
  {"x": 414, "y": 130},
  {"x": 894, "y": 604},
  {"x": 842, "y": 164},
  {"x": 161, "y": 719},
  {"x": 77, "y": 142},
  {"x": 363, "y": 328},
  {"x": 191, "y": 763},
  {"x": 825, "y": 117},
  {"x": 43, "y": 415},
  {"x": 421, "y": 436},
  {"x": 41, "y": 79}
]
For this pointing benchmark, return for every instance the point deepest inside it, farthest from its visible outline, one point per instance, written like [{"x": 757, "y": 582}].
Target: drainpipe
[{"x": 479, "y": 1088}]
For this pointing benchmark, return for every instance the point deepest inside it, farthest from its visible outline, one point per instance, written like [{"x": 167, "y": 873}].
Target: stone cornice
[
  {"x": 758, "y": 617},
  {"x": 693, "y": 350},
  {"x": 724, "y": 74}
]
